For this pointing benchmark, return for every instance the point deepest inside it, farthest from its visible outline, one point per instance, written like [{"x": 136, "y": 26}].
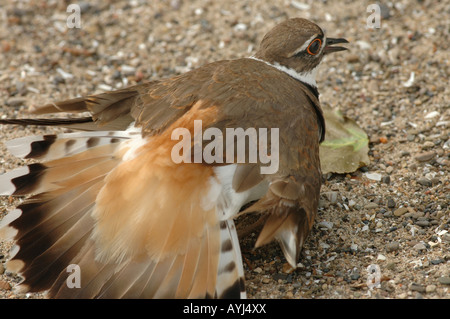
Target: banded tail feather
[
  {"x": 231, "y": 281},
  {"x": 51, "y": 226}
]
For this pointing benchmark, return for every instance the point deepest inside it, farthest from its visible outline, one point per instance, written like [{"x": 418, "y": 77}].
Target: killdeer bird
[{"x": 110, "y": 202}]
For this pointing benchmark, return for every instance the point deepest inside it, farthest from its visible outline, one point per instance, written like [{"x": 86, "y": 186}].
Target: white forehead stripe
[{"x": 304, "y": 46}]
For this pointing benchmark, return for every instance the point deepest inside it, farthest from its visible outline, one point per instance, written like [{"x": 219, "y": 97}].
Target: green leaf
[{"x": 346, "y": 145}]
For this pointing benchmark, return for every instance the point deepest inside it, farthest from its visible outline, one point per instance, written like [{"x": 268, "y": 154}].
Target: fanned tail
[{"x": 52, "y": 226}]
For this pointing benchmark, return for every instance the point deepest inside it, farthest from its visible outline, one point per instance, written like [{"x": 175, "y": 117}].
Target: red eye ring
[{"x": 317, "y": 49}]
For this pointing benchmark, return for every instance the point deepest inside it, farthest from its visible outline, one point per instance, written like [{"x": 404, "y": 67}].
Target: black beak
[{"x": 330, "y": 41}]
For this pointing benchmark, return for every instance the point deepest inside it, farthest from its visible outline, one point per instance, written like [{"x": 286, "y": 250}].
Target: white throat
[{"x": 305, "y": 77}]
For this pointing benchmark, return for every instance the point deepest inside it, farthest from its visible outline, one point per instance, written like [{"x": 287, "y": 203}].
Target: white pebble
[
  {"x": 127, "y": 70},
  {"x": 105, "y": 87},
  {"x": 240, "y": 27},
  {"x": 363, "y": 45},
  {"x": 381, "y": 257},
  {"x": 326, "y": 224},
  {"x": 300, "y": 5},
  {"x": 32, "y": 89},
  {"x": 373, "y": 176},
  {"x": 64, "y": 74},
  {"x": 91, "y": 73},
  {"x": 258, "y": 270},
  {"x": 432, "y": 115},
  {"x": 410, "y": 81}
]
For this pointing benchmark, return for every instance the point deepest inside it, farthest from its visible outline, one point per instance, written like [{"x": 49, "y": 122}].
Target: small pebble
[
  {"x": 425, "y": 157},
  {"x": 373, "y": 176},
  {"x": 419, "y": 295},
  {"x": 391, "y": 266},
  {"x": 325, "y": 224},
  {"x": 371, "y": 205},
  {"x": 58, "y": 80},
  {"x": 297, "y": 285},
  {"x": 278, "y": 276},
  {"x": 419, "y": 247},
  {"x": 65, "y": 75},
  {"x": 116, "y": 75},
  {"x": 258, "y": 270},
  {"x": 394, "y": 246},
  {"x": 417, "y": 287},
  {"x": 381, "y": 257},
  {"x": 4, "y": 285},
  {"x": 355, "y": 274},
  {"x": 417, "y": 215},
  {"x": 354, "y": 58},
  {"x": 331, "y": 196},
  {"x": 287, "y": 268},
  {"x": 444, "y": 280},
  {"x": 391, "y": 203},
  {"x": 384, "y": 11},
  {"x": 427, "y": 145},
  {"x": 16, "y": 101},
  {"x": 128, "y": 70},
  {"x": 446, "y": 237},
  {"x": 410, "y": 138},
  {"x": 400, "y": 211},
  {"x": 405, "y": 153},
  {"x": 423, "y": 223},
  {"x": 432, "y": 115},
  {"x": 430, "y": 288},
  {"x": 424, "y": 182},
  {"x": 435, "y": 181},
  {"x": 373, "y": 85}
]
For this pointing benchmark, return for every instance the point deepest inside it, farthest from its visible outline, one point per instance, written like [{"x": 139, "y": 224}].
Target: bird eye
[{"x": 314, "y": 46}]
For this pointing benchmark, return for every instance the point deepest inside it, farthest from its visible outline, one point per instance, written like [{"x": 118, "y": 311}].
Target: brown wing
[
  {"x": 292, "y": 199},
  {"x": 254, "y": 95}
]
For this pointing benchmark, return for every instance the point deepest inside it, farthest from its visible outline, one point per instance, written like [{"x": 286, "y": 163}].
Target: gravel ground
[{"x": 389, "y": 220}]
